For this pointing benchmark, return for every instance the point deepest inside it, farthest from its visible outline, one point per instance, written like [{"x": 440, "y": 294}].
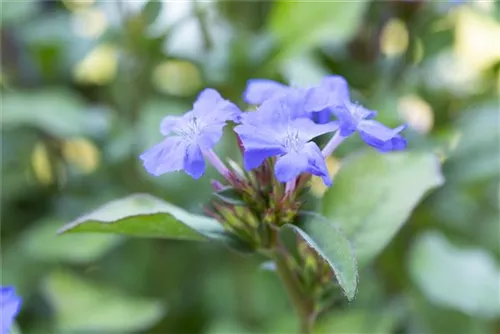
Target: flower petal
[
  {"x": 168, "y": 124},
  {"x": 283, "y": 108},
  {"x": 254, "y": 158},
  {"x": 259, "y": 90},
  {"x": 382, "y": 138},
  {"x": 210, "y": 136},
  {"x": 322, "y": 117},
  {"x": 290, "y": 165},
  {"x": 194, "y": 163},
  {"x": 10, "y": 305},
  {"x": 347, "y": 122},
  {"x": 211, "y": 107},
  {"x": 258, "y": 138},
  {"x": 332, "y": 92},
  {"x": 316, "y": 163},
  {"x": 309, "y": 130},
  {"x": 167, "y": 156},
  {"x": 398, "y": 143},
  {"x": 377, "y": 130}
]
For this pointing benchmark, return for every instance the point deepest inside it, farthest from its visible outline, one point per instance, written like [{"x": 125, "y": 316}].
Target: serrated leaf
[
  {"x": 143, "y": 215},
  {"x": 463, "y": 279},
  {"x": 374, "y": 194},
  {"x": 333, "y": 247},
  {"x": 82, "y": 306}
]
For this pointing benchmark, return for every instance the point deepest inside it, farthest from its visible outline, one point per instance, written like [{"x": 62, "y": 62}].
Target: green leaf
[
  {"x": 143, "y": 215},
  {"x": 319, "y": 22},
  {"x": 374, "y": 194},
  {"x": 87, "y": 307},
  {"x": 151, "y": 11},
  {"x": 463, "y": 279},
  {"x": 41, "y": 242},
  {"x": 332, "y": 246},
  {"x": 57, "y": 112}
]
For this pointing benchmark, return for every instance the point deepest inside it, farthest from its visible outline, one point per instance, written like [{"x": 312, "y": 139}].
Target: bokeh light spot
[
  {"x": 40, "y": 163},
  {"x": 98, "y": 67},
  {"x": 90, "y": 23},
  {"x": 177, "y": 77},
  {"x": 318, "y": 187},
  {"x": 417, "y": 113},
  {"x": 82, "y": 154},
  {"x": 394, "y": 38}
]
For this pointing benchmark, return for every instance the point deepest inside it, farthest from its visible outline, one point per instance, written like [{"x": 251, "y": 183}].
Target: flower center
[
  {"x": 191, "y": 129},
  {"x": 292, "y": 141}
]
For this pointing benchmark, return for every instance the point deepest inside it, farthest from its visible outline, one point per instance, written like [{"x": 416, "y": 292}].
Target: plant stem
[{"x": 303, "y": 305}]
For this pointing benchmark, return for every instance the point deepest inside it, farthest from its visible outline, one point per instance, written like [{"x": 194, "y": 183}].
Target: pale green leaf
[
  {"x": 374, "y": 194},
  {"x": 467, "y": 280},
  {"x": 143, "y": 215}
]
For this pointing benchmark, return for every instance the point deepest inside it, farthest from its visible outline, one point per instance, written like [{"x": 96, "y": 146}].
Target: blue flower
[
  {"x": 277, "y": 129},
  {"x": 333, "y": 95},
  {"x": 191, "y": 136},
  {"x": 260, "y": 90},
  {"x": 10, "y": 304}
]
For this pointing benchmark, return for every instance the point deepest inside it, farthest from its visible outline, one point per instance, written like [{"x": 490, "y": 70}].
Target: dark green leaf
[
  {"x": 333, "y": 247},
  {"x": 143, "y": 215},
  {"x": 374, "y": 194}
]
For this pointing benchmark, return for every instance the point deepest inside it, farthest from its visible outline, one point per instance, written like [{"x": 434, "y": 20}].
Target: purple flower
[
  {"x": 333, "y": 95},
  {"x": 277, "y": 129},
  {"x": 10, "y": 304},
  {"x": 191, "y": 136}
]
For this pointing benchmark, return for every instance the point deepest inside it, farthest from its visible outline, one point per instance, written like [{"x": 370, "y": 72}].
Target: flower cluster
[
  {"x": 276, "y": 140},
  {"x": 283, "y": 127},
  {"x": 10, "y": 305}
]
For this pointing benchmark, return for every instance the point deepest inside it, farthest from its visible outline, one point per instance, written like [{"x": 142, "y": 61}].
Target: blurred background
[{"x": 84, "y": 85}]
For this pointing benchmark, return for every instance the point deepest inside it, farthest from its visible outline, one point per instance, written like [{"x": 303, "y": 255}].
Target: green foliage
[
  {"x": 42, "y": 244},
  {"x": 320, "y": 21},
  {"x": 426, "y": 266},
  {"x": 83, "y": 306},
  {"x": 143, "y": 215},
  {"x": 331, "y": 246},
  {"x": 462, "y": 279},
  {"x": 375, "y": 194},
  {"x": 56, "y": 112}
]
